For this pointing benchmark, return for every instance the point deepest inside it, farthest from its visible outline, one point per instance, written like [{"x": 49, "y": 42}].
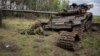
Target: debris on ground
[
  {"x": 35, "y": 29},
  {"x": 8, "y": 46}
]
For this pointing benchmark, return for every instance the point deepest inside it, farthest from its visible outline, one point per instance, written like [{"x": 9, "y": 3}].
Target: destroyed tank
[{"x": 70, "y": 25}]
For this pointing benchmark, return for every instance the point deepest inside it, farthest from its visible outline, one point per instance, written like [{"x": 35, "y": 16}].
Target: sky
[{"x": 96, "y": 5}]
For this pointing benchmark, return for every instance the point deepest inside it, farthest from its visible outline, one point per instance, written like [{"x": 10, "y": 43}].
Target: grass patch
[{"x": 96, "y": 19}]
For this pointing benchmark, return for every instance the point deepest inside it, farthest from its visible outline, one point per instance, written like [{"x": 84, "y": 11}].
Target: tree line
[
  {"x": 45, "y": 5},
  {"x": 38, "y": 5}
]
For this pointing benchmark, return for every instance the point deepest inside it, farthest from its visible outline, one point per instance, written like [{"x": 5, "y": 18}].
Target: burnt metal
[{"x": 71, "y": 24}]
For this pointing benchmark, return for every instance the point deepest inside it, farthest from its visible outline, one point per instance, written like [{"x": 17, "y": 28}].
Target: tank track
[{"x": 67, "y": 40}]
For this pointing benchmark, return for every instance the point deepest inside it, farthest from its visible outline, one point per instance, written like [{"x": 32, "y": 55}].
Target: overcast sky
[{"x": 96, "y": 3}]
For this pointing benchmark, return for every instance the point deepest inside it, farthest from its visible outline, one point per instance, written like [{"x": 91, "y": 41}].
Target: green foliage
[
  {"x": 37, "y": 5},
  {"x": 45, "y": 5},
  {"x": 96, "y": 19}
]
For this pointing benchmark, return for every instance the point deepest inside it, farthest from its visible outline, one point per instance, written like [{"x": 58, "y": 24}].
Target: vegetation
[
  {"x": 38, "y": 5},
  {"x": 97, "y": 19},
  {"x": 45, "y": 5}
]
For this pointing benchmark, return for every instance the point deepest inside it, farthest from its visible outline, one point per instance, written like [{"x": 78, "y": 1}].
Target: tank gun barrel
[{"x": 29, "y": 11}]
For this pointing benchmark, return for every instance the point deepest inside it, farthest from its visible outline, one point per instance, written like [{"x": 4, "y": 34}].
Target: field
[{"x": 38, "y": 45}]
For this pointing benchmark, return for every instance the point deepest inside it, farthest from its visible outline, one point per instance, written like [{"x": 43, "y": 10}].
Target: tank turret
[{"x": 76, "y": 9}]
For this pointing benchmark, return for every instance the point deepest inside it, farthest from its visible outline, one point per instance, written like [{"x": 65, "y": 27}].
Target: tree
[
  {"x": 0, "y": 20},
  {"x": 38, "y": 5},
  {"x": 45, "y": 5},
  {"x": 64, "y": 4}
]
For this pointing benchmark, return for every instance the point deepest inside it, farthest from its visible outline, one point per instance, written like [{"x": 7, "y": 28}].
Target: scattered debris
[
  {"x": 35, "y": 29},
  {"x": 8, "y": 46}
]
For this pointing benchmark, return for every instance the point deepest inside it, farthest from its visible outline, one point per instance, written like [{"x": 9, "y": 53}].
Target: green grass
[
  {"x": 38, "y": 45},
  {"x": 96, "y": 19}
]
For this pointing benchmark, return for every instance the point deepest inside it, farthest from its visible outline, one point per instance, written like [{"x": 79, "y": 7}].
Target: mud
[{"x": 96, "y": 27}]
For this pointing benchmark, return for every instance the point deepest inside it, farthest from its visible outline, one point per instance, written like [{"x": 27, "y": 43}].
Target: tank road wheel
[
  {"x": 67, "y": 41},
  {"x": 79, "y": 29}
]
